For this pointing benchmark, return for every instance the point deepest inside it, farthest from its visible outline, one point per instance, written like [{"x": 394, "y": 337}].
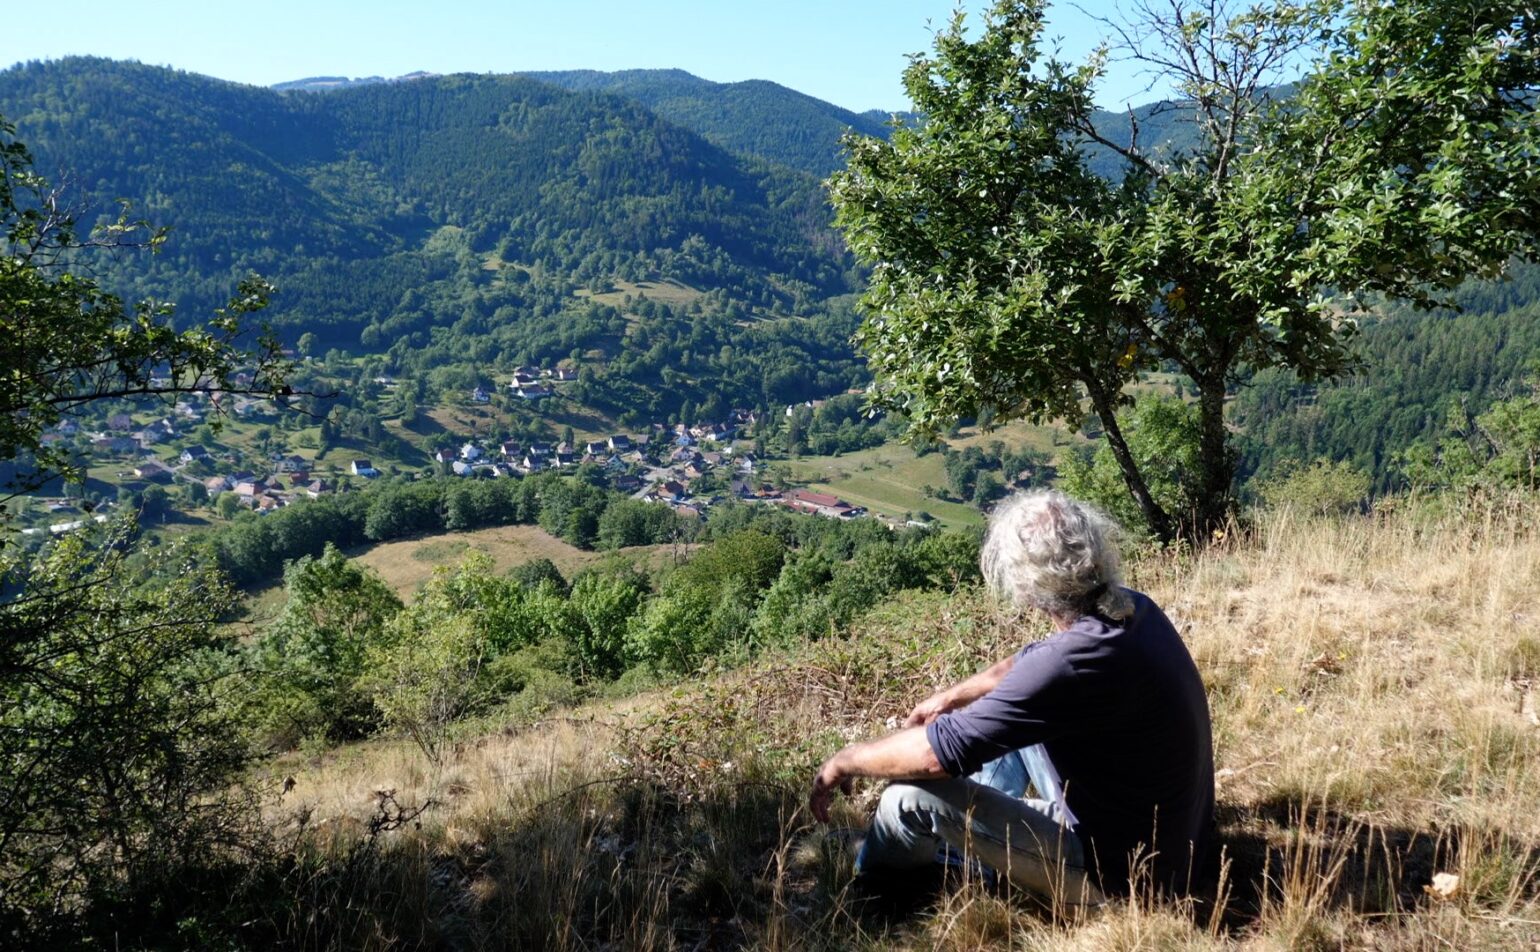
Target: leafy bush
[
  {"x": 309, "y": 663},
  {"x": 116, "y": 755},
  {"x": 1162, "y": 436},
  {"x": 707, "y": 603},
  {"x": 426, "y": 673},
  {"x": 604, "y": 603},
  {"x": 535, "y": 572},
  {"x": 674, "y": 633},
  {"x": 1323, "y": 487},
  {"x": 794, "y": 608}
]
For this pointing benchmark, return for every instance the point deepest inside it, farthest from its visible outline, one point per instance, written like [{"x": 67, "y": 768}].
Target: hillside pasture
[
  {"x": 407, "y": 564},
  {"x": 890, "y": 480},
  {"x": 1372, "y": 682},
  {"x": 887, "y": 480},
  {"x": 668, "y": 291}
]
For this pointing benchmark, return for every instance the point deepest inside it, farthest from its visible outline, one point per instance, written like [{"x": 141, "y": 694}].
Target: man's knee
[{"x": 909, "y": 797}]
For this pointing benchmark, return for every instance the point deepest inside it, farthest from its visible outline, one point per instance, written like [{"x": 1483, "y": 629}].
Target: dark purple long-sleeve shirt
[{"x": 1122, "y": 713}]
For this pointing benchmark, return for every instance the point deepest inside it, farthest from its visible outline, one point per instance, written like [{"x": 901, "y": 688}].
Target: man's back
[{"x": 1121, "y": 711}]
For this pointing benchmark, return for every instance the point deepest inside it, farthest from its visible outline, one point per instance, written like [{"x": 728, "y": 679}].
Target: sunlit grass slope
[{"x": 1373, "y": 686}]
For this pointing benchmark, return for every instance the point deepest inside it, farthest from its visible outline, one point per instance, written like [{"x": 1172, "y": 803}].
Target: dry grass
[
  {"x": 1372, "y": 686},
  {"x": 406, "y": 564}
]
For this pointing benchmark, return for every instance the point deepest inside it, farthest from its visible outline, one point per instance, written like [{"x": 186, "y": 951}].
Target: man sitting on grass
[{"x": 1107, "y": 716}]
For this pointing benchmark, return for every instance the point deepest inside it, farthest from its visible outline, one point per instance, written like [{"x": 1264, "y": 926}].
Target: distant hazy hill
[
  {"x": 754, "y": 117},
  {"x": 326, "y": 84},
  {"x": 781, "y": 125}
]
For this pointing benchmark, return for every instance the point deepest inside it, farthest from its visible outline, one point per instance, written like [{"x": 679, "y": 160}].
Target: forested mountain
[
  {"x": 323, "y": 190},
  {"x": 771, "y": 122},
  {"x": 1422, "y": 374},
  {"x": 452, "y": 220},
  {"x": 450, "y": 225},
  {"x": 755, "y": 117}
]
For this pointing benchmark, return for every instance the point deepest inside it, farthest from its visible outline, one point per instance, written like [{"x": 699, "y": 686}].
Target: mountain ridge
[
  {"x": 323, "y": 84},
  {"x": 255, "y": 179}
]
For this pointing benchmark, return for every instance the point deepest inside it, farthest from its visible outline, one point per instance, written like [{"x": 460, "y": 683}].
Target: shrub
[
  {"x": 116, "y": 757},
  {"x": 1323, "y": 487},
  {"x": 1162, "y": 436},
  {"x": 309, "y": 662},
  {"x": 532, "y": 574},
  {"x": 604, "y": 603},
  {"x": 424, "y": 677}
]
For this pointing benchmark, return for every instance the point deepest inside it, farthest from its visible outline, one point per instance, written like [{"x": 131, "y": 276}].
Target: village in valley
[{"x": 165, "y": 463}]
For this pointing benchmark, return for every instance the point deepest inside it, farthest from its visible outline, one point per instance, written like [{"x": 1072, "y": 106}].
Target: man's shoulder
[
  {"x": 1146, "y": 614},
  {"x": 1049, "y": 657}
]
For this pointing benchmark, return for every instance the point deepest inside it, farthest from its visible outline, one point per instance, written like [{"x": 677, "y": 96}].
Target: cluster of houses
[
  {"x": 124, "y": 436},
  {"x": 618, "y": 455},
  {"x": 60, "y": 528},
  {"x": 288, "y": 479},
  {"x": 666, "y": 466},
  {"x": 530, "y": 383},
  {"x": 266, "y": 493},
  {"x": 688, "y": 468}
]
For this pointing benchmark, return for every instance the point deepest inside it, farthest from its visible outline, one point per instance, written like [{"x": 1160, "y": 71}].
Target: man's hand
[
  {"x": 929, "y": 709},
  {"x": 829, "y": 778}
]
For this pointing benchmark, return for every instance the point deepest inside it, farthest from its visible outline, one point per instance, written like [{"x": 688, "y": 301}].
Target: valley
[{"x": 584, "y": 457}]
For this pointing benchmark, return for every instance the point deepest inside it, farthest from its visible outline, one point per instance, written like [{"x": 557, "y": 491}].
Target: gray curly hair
[{"x": 1048, "y": 551}]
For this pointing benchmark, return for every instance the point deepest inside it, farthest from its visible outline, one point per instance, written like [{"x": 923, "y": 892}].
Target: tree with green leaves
[
  {"x": 311, "y": 662},
  {"x": 116, "y": 751},
  {"x": 118, "y": 760},
  {"x": 1007, "y": 274},
  {"x": 66, "y": 343}
]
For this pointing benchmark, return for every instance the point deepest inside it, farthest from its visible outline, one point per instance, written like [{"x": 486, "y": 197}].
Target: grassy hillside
[
  {"x": 1375, "y": 724},
  {"x": 406, "y": 564},
  {"x": 892, "y": 481}
]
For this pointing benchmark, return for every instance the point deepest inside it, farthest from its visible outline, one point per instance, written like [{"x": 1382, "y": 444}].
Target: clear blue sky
[{"x": 849, "y": 52}]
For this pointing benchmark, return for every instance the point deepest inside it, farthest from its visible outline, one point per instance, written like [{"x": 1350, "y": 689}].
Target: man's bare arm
[
  {"x": 959, "y": 695},
  {"x": 903, "y": 755}
]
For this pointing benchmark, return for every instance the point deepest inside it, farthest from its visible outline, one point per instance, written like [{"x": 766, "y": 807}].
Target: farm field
[
  {"x": 406, "y": 564},
  {"x": 667, "y": 291},
  {"x": 890, "y": 479}
]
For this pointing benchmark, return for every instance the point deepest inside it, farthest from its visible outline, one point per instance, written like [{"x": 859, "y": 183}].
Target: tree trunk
[
  {"x": 1159, "y": 520},
  {"x": 1216, "y": 463}
]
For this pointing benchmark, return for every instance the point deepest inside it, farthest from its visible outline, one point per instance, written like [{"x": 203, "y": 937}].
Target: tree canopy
[
  {"x": 117, "y": 759},
  {"x": 65, "y": 342},
  {"x": 1008, "y": 275}
]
